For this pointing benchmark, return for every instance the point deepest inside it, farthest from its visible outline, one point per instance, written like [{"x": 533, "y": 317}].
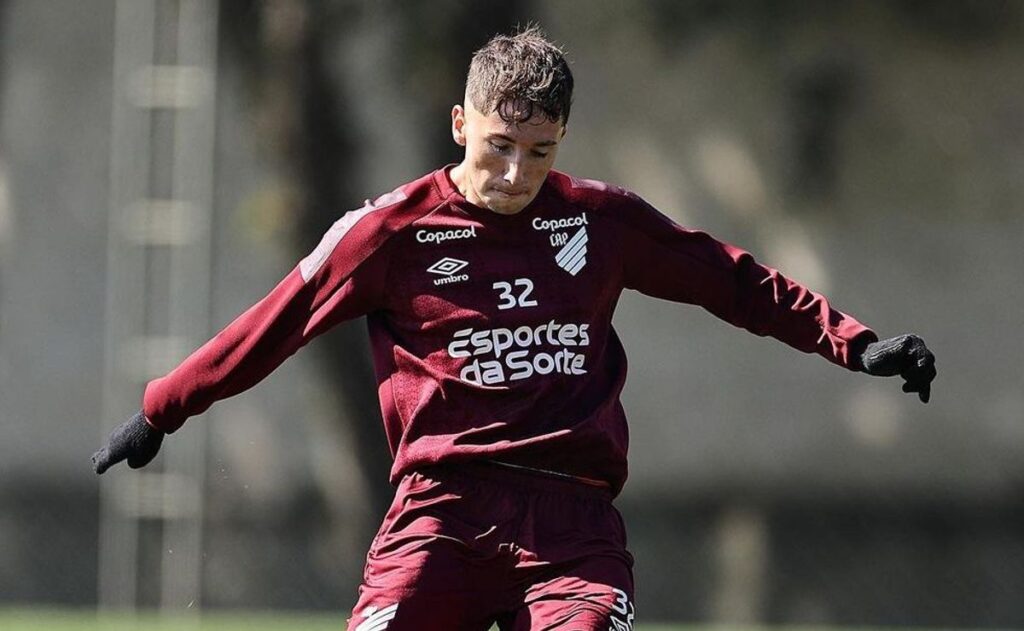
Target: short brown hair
[{"x": 515, "y": 75}]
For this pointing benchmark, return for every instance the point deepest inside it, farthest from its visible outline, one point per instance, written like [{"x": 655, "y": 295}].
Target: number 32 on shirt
[{"x": 516, "y": 294}]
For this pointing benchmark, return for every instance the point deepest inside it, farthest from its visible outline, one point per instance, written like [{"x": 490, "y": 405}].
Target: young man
[{"x": 489, "y": 288}]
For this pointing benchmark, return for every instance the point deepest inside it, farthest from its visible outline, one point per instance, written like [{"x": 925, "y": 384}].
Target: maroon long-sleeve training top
[{"x": 491, "y": 334}]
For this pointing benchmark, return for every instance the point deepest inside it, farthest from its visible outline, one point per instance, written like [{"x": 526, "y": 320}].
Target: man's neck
[{"x": 458, "y": 176}]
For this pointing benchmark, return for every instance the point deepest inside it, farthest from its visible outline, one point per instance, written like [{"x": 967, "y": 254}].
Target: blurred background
[{"x": 163, "y": 163}]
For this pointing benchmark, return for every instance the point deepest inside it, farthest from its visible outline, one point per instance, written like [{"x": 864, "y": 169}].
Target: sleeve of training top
[
  {"x": 340, "y": 280},
  {"x": 665, "y": 260}
]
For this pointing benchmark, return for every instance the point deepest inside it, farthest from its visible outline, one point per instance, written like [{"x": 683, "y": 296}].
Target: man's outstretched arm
[
  {"x": 671, "y": 262},
  {"x": 340, "y": 280}
]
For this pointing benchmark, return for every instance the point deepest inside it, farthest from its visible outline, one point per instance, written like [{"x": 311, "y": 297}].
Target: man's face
[{"x": 505, "y": 163}]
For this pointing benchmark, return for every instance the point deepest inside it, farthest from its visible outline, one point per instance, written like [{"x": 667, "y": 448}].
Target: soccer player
[{"x": 488, "y": 288}]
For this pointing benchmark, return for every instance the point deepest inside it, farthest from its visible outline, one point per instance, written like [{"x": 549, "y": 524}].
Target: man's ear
[{"x": 459, "y": 125}]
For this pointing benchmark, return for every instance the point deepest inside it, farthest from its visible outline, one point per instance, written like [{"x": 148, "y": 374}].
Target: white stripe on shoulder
[
  {"x": 582, "y": 182},
  {"x": 310, "y": 265},
  {"x": 598, "y": 185}
]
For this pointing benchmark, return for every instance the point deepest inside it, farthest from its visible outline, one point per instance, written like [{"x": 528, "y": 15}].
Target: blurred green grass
[{"x": 88, "y": 620}]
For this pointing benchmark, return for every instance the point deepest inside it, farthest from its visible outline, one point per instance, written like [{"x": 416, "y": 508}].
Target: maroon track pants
[{"x": 462, "y": 548}]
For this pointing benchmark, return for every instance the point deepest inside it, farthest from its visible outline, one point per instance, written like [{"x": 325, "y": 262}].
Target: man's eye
[
  {"x": 498, "y": 148},
  {"x": 540, "y": 154}
]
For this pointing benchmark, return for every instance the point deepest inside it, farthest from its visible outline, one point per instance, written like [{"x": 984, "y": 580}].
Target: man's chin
[{"x": 506, "y": 204}]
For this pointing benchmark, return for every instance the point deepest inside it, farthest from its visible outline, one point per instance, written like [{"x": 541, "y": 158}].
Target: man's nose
[{"x": 514, "y": 168}]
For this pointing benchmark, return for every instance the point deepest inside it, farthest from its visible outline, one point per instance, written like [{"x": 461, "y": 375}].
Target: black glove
[
  {"x": 134, "y": 440},
  {"x": 906, "y": 356}
]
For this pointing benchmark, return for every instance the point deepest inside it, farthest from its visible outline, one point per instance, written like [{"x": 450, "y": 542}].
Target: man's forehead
[{"x": 537, "y": 129}]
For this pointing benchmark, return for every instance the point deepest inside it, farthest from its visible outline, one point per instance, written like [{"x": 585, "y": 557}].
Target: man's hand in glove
[
  {"x": 135, "y": 440},
  {"x": 906, "y": 356}
]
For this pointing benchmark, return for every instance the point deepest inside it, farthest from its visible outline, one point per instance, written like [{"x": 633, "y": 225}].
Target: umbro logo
[
  {"x": 447, "y": 269},
  {"x": 447, "y": 266}
]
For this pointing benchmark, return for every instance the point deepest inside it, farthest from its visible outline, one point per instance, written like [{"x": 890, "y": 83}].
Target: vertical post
[
  {"x": 190, "y": 285},
  {"x": 158, "y": 289},
  {"x": 742, "y": 551},
  {"x": 125, "y": 307}
]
